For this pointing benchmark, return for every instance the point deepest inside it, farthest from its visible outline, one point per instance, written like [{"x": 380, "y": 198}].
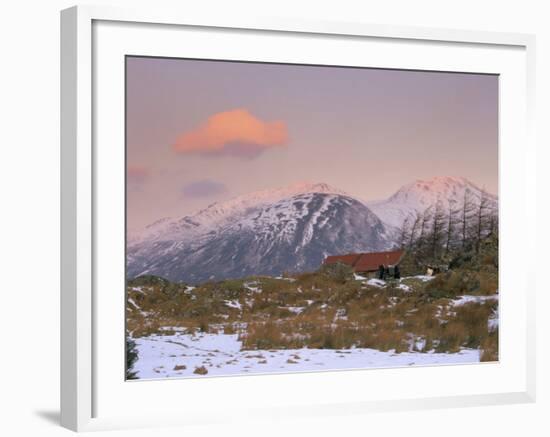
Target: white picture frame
[{"x": 87, "y": 401}]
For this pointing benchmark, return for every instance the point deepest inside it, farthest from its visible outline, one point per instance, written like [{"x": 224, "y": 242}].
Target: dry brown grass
[
  {"x": 489, "y": 347},
  {"x": 457, "y": 282},
  {"x": 200, "y": 370},
  {"x": 262, "y": 336},
  {"x": 333, "y": 315}
]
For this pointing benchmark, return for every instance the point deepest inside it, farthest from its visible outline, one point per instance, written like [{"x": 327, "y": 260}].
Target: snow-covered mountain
[
  {"x": 217, "y": 214},
  {"x": 268, "y": 232},
  {"x": 419, "y": 195},
  {"x": 289, "y": 229}
]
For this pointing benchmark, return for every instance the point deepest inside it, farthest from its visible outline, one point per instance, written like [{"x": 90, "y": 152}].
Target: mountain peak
[
  {"x": 270, "y": 195},
  {"x": 422, "y": 194},
  {"x": 256, "y": 236},
  {"x": 438, "y": 186},
  {"x": 443, "y": 181},
  {"x": 303, "y": 187},
  {"x": 218, "y": 212}
]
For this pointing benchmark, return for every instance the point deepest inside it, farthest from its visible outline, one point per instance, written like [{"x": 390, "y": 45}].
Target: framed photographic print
[{"x": 261, "y": 208}]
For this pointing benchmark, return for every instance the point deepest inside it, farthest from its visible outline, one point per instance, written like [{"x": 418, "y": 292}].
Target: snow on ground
[
  {"x": 492, "y": 322},
  {"x": 420, "y": 343},
  {"x": 404, "y": 287},
  {"x": 136, "y": 307},
  {"x": 340, "y": 314},
  {"x": 285, "y": 279},
  {"x": 133, "y": 303},
  {"x": 376, "y": 282},
  {"x": 233, "y": 304},
  {"x": 424, "y": 278},
  {"x": 178, "y": 355},
  {"x": 295, "y": 310},
  {"x": 462, "y": 300},
  {"x": 252, "y": 286}
]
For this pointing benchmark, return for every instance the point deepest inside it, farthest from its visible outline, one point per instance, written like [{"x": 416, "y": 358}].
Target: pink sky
[{"x": 204, "y": 131}]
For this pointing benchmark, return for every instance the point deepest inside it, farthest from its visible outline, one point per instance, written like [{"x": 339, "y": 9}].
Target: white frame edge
[
  {"x": 76, "y": 219},
  {"x": 77, "y": 369}
]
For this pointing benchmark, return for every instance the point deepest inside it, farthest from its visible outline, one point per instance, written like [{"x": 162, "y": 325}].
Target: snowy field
[{"x": 179, "y": 355}]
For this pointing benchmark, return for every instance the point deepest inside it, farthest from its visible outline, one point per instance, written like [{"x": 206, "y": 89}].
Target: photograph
[{"x": 285, "y": 218}]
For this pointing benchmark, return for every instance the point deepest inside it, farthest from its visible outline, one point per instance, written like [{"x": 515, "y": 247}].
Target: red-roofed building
[{"x": 368, "y": 263}]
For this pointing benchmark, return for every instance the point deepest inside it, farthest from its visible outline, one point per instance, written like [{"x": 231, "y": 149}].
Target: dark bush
[
  {"x": 131, "y": 358},
  {"x": 148, "y": 280},
  {"x": 337, "y": 272}
]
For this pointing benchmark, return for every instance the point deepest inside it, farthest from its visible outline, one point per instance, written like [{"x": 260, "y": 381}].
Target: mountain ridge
[
  {"x": 215, "y": 213},
  {"x": 293, "y": 234},
  {"x": 290, "y": 229},
  {"x": 417, "y": 196}
]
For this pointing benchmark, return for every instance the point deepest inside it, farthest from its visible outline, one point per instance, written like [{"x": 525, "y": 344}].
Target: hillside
[
  {"x": 312, "y": 321},
  {"x": 289, "y": 229},
  {"x": 292, "y": 234}
]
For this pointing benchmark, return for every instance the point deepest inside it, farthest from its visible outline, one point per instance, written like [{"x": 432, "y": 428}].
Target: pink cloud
[
  {"x": 236, "y": 132},
  {"x": 136, "y": 176}
]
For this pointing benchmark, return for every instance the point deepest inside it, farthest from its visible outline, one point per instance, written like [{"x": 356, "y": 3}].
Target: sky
[{"x": 199, "y": 131}]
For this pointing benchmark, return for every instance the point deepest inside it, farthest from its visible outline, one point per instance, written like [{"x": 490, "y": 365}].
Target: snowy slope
[
  {"x": 178, "y": 355},
  {"x": 220, "y": 213},
  {"x": 260, "y": 236},
  {"x": 422, "y": 194}
]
